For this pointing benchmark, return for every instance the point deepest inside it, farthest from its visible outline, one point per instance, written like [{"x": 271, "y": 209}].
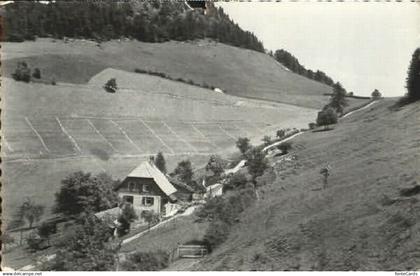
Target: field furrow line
[
  {"x": 100, "y": 134},
  {"x": 155, "y": 134},
  {"x": 9, "y": 148},
  {"x": 179, "y": 137},
  {"x": 125, "y": 135},
  {"x": 225, "y": 132},
  {"x": 204, "y": 136},
  {"x": 37, "y": 134},
  {"x": 76, "y": 146}
]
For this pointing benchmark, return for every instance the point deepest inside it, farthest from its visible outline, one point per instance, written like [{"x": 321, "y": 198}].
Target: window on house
[
  {"x": 128, "y": 199},
  {"x": 146, "y": 188},
  {"x": 131, "y": 186},
  {"x": 148, "y": 201}
]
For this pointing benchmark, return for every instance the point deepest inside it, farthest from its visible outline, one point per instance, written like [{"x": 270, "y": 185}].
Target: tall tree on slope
[
  {"x": 338, "y": 99},
  {"x": 413, "y": 78}
]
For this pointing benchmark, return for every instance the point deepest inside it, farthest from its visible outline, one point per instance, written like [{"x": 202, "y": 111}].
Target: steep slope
[
  {"x": 236, "y": 71},
  {"x": 368, "y": 218}
]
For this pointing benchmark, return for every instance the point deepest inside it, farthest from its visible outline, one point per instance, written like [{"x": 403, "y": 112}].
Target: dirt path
[{"x": 359, "y": 109}]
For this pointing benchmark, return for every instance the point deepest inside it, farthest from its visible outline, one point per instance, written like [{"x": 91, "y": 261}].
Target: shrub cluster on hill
[
  {"x": 149, "y": 21},
  {"x": 292, "y": 63},
  {"x": 223, "y": 212},
  {"x": 88, "y": 247},
  {"x": 166, "y": 76},
  {"x": 146, "y": 261}
]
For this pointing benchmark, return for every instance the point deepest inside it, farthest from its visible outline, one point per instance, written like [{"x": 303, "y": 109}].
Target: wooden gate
[{"x": 192, "y": 251}]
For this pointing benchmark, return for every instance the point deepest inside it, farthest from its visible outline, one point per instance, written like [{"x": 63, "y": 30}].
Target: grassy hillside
[
  {"x": 368, "y": 218},
  {"x": 236, "y": 71}
]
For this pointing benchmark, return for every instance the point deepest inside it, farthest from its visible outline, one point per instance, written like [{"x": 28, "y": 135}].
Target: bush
[
  {"x": 53, "y": 82},
  {"x": 280, "y": 133},
  {"x": 235, "y": 182},
  {"x": 376, "y": 94},
  {"x": 137, "y": 70},
  {"x": 34, "y": 241},
  {"x": 47, "y": 229},
  {"x": 150, "y": 217},
  {"x": 6, "y": 239},
  {"x": 146, "y": 261},
  {"x": 111, "y": 86},
  {"x": 216, "y": 234},
  {"x": 312, "y": 125},
  {"x": 127, "y": 216},
  {"x": 15, "y": 38},
  {"x": 285, "y": 147},
  {"x": 266, "y": 140},
  {"x": 327, "y": 117},
  {"x": 216, "y": 165},
  {"x": 37, "y": 73},
  {"x": 223, "y": 213},
  {"x": 256, "y": 162},
  {"x": 22, "y": 72}
]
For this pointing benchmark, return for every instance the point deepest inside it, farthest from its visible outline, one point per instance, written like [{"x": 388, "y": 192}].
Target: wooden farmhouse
[{"x": 147, "y": 188}]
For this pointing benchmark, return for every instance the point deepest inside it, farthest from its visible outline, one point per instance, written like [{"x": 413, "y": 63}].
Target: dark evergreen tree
[
  {"x": 160, "y": 162},
  {"x": 413, "y": 78},
  {"x": 150, "y": 21}
]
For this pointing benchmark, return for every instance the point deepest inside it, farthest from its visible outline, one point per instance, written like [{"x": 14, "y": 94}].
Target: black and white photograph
[{"x": 171, "y": 135}]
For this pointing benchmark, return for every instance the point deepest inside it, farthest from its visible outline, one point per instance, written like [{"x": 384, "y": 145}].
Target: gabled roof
[{"x": 148, "y": 170}]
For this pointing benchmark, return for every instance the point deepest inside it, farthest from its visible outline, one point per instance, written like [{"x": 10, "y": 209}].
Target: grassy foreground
[{"x": 368, "y": 218}]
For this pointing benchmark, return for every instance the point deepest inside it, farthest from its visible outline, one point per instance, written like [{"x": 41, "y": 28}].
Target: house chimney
[{"x": 152, "y": 159}]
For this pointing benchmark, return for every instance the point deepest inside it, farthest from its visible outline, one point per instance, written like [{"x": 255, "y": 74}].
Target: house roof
[{"x": 148, "y": 170}]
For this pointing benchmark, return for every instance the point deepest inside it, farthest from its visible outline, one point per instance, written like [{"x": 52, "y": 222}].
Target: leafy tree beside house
[
  {"x": 216, "y": 165},
  {"x": 184, "y": 171},
  {"x": 243, "y": 144},
  {"x": 127, "y": 216},
  {"x": 82, "y": 192},
  {"x": 150, "y": 217}
]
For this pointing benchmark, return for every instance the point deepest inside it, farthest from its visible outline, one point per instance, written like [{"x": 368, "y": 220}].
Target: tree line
[
  {"x": 293, "y": 64},
  {"x": 149, "y": 21}
]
